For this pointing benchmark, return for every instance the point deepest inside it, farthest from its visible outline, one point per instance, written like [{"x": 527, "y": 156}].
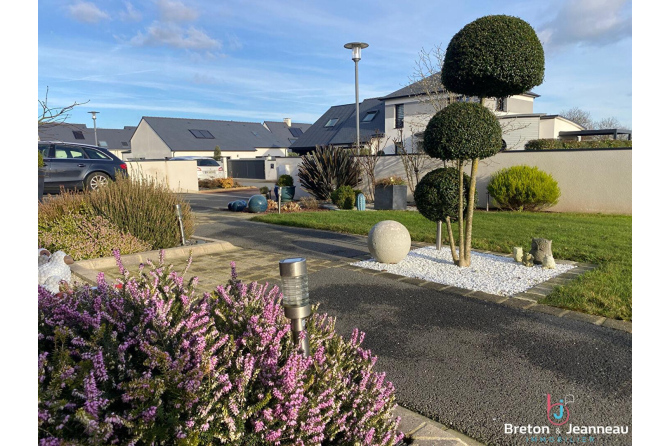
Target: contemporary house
[
  {"x": 164, "y": 138},
  {"x": 399, "y": 118},
  {"x": 116, "y": 141}
]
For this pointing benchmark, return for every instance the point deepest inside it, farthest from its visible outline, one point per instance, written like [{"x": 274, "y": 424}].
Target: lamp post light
[
  {"x": 95, "y": 128},
  {"x": 296, "y": 305},
  {"x": 356, "y": 48}
]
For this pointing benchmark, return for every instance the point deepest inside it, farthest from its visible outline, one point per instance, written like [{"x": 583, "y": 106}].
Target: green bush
[
  {"x": 40, "y": 160},
  {"x": 344, "y": 197},
  {"x": 524, "y": 188},
  {"x": 285, "y": 180},
  {"x": 145, "y": 209},
  {"x": 84, "y": 236},
  {"x": 436, "y": 195},
  {"x": 462, "y": 131},
  {"x": 327, "y": 168},
  {"x": 264, "y": 190},
  {"x": 560, "y": 144},
  {"x": 493, "y": 56}
]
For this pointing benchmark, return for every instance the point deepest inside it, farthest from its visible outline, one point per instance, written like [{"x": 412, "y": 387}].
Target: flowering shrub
[
  {"x": 390, "y": 181},
  {"x": 150, "y": 362},
  {"x": 85, "y": 236}
]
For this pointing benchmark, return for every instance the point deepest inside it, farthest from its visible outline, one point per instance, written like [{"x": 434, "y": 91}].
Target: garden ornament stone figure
[
  {"x": 540, "y": 247},
  {"x": 53, "y": 269}
]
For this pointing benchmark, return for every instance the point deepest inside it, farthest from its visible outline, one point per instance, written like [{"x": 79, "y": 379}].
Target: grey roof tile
[{"x": 111, "y": 139}]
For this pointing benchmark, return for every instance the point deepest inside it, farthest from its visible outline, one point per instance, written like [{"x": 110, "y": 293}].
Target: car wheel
[{"x": 96, "y": 180}]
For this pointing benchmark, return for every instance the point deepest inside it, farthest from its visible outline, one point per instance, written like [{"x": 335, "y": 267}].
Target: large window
[{"x": 399, "y": 116}]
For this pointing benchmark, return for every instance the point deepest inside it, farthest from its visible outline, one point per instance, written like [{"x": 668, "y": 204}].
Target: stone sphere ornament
[
  {"x": 389, "y": 241},
  {"x": 258, "y": 204}
]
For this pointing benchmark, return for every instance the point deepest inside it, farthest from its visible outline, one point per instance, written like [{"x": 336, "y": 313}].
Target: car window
[
  {"x": 44, "y": 149},
  {"x": 96, "y": 154},
  {"x": 69, "y": 152},
  {"x": 207, "y": 162}
]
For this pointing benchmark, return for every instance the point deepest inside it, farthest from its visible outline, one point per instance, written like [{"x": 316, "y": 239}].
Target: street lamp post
[
  {"x": 95, "y": 128},
  {"x": 356, "y": 48}
]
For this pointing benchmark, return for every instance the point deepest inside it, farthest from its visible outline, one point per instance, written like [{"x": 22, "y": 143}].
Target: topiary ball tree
[
  {"x": 494, "y": 56},
  {"x": 463, "y": 131},
  {"x": 436, "y": 195}
]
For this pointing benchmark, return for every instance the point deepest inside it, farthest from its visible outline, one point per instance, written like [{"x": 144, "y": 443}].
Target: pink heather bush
[
  {"x": 150, "y": 362},
  {"x": 85, "y": 236}
]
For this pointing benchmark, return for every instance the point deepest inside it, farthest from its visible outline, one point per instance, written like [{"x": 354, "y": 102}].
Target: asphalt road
[{"x": 471, "y": 365}]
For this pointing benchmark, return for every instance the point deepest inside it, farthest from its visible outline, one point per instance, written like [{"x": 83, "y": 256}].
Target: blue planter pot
[{"x": 287, "y": 193}]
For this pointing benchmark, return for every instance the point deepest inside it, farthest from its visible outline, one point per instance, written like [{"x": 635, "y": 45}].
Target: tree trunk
[
  {"x": 471, "y": 210},
  {"x": 461, "y": 226},
  {"x": 452, "y": 244}
]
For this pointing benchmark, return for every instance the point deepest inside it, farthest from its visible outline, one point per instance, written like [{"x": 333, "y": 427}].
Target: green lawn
[{"x": 604, "y": 240}]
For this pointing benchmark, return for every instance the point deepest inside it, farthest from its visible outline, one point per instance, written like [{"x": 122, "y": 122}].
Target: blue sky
[{"x": 267, "y": 60}]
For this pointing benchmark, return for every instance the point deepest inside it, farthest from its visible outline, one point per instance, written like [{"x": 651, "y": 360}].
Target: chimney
[{"x": 287, "y": 121}]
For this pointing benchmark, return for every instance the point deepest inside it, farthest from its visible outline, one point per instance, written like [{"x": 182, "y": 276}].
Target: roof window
[
  {"x": 201, "y": 134},
  {"x": 331, "y": 122},
  {"x": 78, "y": 134},
  {"x": 369, "y": 116}
]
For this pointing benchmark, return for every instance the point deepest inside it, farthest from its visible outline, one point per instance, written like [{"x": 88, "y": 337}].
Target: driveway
[{"x": 469, "y": 364}]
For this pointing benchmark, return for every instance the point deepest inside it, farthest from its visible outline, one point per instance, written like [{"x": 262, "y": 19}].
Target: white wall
[
  {"x": 146, "y": 144},
  {"x": 179, "y": 176}
]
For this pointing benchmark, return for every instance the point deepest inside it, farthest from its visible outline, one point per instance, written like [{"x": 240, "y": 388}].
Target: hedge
[{"x": 563, "y": 144}]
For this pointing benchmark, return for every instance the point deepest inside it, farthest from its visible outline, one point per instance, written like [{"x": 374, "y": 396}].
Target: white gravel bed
[{"x": 489, "y": 273}]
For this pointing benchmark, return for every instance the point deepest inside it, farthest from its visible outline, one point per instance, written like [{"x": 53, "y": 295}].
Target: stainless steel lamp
[{"x": 296, "y": 304}]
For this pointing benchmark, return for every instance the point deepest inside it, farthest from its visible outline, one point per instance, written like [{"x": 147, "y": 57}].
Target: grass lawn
[{"x": 604, "y": 240}]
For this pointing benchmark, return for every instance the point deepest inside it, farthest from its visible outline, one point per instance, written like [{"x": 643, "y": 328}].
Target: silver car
[{"x": 208, "y": 168}]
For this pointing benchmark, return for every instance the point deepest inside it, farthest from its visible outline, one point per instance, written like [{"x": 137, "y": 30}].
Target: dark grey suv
[{"x": 78, "y": 166}]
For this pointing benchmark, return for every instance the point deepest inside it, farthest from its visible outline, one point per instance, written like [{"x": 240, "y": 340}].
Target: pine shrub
[
  {"x": 150, "y": 362},
  {"x": 344, "y": 197},
  {"x": 144, "y": 208},
  {"x": 524, "y": 188}
]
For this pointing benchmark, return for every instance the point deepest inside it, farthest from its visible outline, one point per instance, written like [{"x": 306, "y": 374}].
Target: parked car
[
  {"x": 207, "y": 167},
  {"x": 78, "y": 166}
]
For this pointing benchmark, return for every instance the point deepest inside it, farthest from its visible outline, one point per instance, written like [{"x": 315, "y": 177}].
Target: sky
[{"x": 265, "y": 60}]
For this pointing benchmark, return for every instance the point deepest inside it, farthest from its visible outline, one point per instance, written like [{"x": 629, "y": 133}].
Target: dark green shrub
[
  {"x": 523, "y": 188},
  {"x": 327, "y": 168},
  {"x": 40, "y": 160},
  {"x": 494, "y": 56},
  {"x": 463, "y": 131},
  {"x": 344, "y": 197},
  {"x": 436, "y": 195},
  {"x": 145, "y": 209},
  {"x": 560, "y": 144},
  {"x": 264, "y": 190},
  {"x": 285, "y": 180}
]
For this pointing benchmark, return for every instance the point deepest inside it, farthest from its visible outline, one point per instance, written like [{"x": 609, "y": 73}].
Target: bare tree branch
[{"x": 54, "y": 115}]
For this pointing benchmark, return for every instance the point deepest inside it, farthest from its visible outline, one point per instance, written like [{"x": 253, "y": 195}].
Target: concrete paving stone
[
  {"x": 542, "y": 289},
  {"x": 557, "y": 281},
  {"x": 518, "y": 303},
  {"x": 618, "y": 324},
  {"x": 392, "y": 276},
  {"x": 435, "y": 286},
  {"x": 431, "y": 431},
  {"x": 488, "y": 297},
  {"x": 547, "y": 309},
  {"x": 537, "y": 292},
  {"x": 412, "y": 280},
  {"x": 527, "y": 296},
  {"x": 582, "y": 316}
]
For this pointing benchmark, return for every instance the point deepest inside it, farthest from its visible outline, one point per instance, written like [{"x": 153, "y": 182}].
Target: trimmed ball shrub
[
  {"x": 462, "y": 131},
  {"x": 436, "y": 195},
  {"x": 151, "y": 362},
  {"x": 494, "y": 56},
  {"x": 285, "y": 181},
  {"x": 523, "y": 188},
  {"x": 344, "y": 197}
]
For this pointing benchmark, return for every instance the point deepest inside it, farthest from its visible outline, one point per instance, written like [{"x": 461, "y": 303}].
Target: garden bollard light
[
  {"x": 438, "y": 237},
  {"x": 279, "y": 200},
  {"x": 296, "y": 304},
  {"x": 181, "y": 224}
]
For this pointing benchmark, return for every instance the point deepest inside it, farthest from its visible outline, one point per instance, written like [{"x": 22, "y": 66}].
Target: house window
[
  {"x": 399, "y": 116},
  {"x": 501, "y": 104},
  {"x": 201, "y": 134},
  {"x": 124, "y": 144},
  {"x": 399, "y": 149},
  {"x": 78, "y": 134},
  {"x": 331, "y": 122},
  {"x": 369, "y": 116}
]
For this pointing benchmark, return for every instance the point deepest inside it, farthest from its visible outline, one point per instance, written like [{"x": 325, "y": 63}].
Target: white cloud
[
  {"x": 159, "y": 34},
  {"x": 588, "y": 23},
  {"x": 176, "y": 11},
  {"x": 87, "y": 12},
  {"x": 130, "y": 14}
]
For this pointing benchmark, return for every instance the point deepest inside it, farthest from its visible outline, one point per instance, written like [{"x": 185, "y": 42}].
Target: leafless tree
[
  {"x": 368, "y": 158},
  {"x": 414, "y": 159},
  {"x": 54, "y": 115},
  {"x": 579, "y": 116}
]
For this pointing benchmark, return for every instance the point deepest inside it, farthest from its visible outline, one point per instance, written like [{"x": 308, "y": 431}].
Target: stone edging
[
  {"x": 526, "y": 300},
  {"x": 87, "y": 270}
]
